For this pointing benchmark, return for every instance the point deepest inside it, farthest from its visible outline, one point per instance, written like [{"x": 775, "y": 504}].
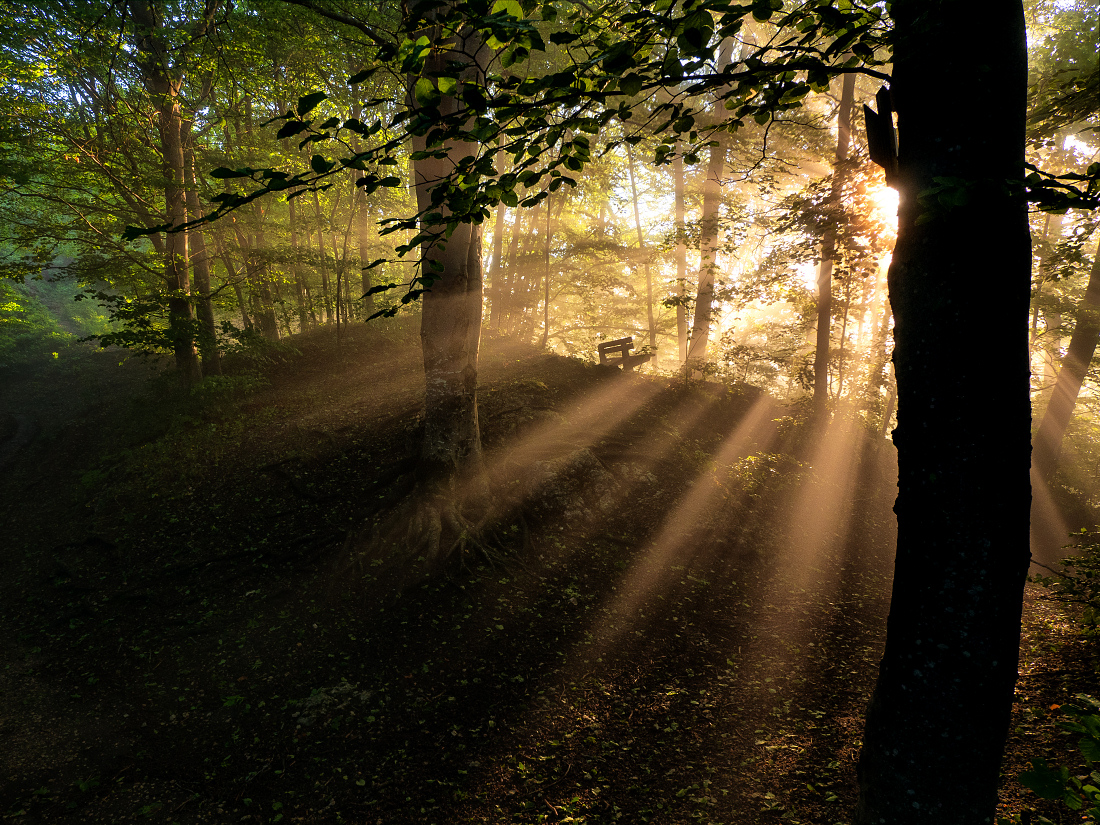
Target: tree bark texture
[
  {"x": 163, "y": 84},
  {"x": 450, "y": 329},
  {"x": 938, "y": 718},
  {"x": 710, "y": 230},
  {"x": 1082, "y": 346}
]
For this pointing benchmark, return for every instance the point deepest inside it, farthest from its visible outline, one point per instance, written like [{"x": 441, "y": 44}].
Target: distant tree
[{"x": 1071, "y": 375}]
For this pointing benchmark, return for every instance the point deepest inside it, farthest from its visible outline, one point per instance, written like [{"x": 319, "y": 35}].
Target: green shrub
[
  {"x": 1079, "y": 792},
  {"x": 1078, "y": 582}
]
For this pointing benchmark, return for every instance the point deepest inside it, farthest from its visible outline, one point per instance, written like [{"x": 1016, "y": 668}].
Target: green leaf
[
  {"x": 319, "y": 165},
  {"x": 307, "y": 103},
  {"x": 392, "y": 180},
  {"x": 1090, "y": 749},
  {"x": 426, "y": 94},
  {"x": 1044, "y": 781},
  {"x": 447, "y": 85},
  {"x": 360, "y": 76},
  {"x": 509, "y": 7},
  {"x": 291, "y": 128},
  {"x": 221, "y": 173},
  {"x": 630, "y": 85},
  {"x": 374, "y": 290},
  {"x": 684, "y": 124}
]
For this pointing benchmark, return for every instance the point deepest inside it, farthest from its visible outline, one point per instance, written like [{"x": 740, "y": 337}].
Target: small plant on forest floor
[
  {"x": 1078, "y": 582},
  {"x": 1080, "y": 793}
]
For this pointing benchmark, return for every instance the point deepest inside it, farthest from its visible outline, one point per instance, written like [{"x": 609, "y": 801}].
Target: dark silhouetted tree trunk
[{"x": 938, "y": 719}]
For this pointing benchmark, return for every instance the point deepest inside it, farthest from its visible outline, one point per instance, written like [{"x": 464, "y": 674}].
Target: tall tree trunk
[
  {"x": 708, "y": 251},
  {"x": 296, "y": 270},
  {"x": 495, "y": 267},
  {"x": 828, "y": 250},
  {"x": 510, "y": 273},
  {"x": 681, "y": 259},
  {"x": 938, "y": 719},
  {"x": 326, "y": 301},
  {"x": 1052, "y": 318},
  {"x": 709, "y": 231},
  {"x": 1082, "y": 346},
  {"x": 546, "y": 276},
  {"x": 365, "y": 229},
  {"x": 269, "y": 326},
  {"x": 200, "y": 262},
  {"x": 336, "y": 266},
  {"x": 641, "y": 248},
  {"x": 450, "y": 329},
  {"x": 164, "y": 88},
  {"x": 526, "y": 286}
]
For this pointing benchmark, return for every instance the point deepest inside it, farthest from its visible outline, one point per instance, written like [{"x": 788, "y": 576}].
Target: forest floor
[{"x": 193, "y": 626}]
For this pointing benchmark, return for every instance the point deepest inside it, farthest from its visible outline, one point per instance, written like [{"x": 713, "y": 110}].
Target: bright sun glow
[{"x": 886, "y": 204}]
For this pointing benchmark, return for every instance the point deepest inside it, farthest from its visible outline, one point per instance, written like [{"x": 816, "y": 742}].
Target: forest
[{"x": 544, "y": 411}]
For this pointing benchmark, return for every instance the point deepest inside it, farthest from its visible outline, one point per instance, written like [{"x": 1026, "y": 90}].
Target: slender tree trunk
[
  {"x": 450, "y": 329},
  {"x": 938, "y": 719},
  {"x": 842, "y": 349},
  {"x": 526, "y": 290},
  {"x": 828, "y": 251},
  {"x": 200, "y": 262},
  {"x": 495, "y": 267},
  {"x": 242, "y": 304},
  {"x": 681, "y": 260},
  {"x": 164, "y": 88},
  {"x": 1052, "y": 318},
  {"x": 546, "y": 278},
  {"x": 336, "y": 266},
  {"x": 326, "y": 301},
  {"x": 296, "y": 270},
  {"x": 708, "y": 251},
  {"x": 365, "y": 229},
  {"x": 709, "y": 230},
  {"x": 510, "y": 284},
  {"x": 1082, "y": 346},
  {"x": 642, "y": 249},
  {"x": 269, "y": 326}
]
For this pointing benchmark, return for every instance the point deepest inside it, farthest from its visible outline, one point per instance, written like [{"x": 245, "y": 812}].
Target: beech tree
[{"x": 450, "y": 453}]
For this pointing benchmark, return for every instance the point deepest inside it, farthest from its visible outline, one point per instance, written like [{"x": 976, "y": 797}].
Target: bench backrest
[{"x": 621, "y": 345}]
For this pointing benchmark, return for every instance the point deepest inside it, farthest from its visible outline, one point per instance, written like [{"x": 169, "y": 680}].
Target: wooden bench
[{"x": 617, "y": 353}]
